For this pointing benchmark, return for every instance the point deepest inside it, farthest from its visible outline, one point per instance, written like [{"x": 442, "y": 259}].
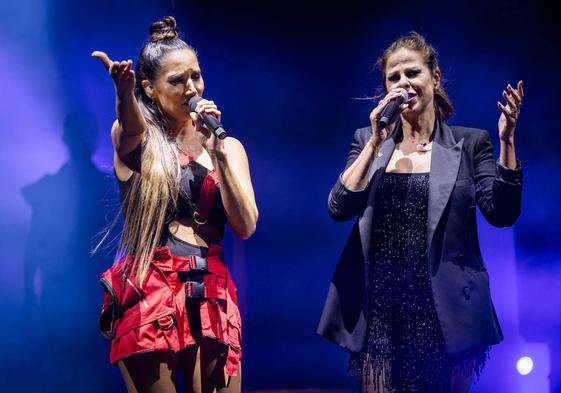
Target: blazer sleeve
[
  {"x": 344, "y": 204},
  {"x": 498, "y": 189}
]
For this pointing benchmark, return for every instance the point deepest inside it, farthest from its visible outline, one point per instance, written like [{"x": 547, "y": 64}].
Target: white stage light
[{"x": 525, "y": 365}]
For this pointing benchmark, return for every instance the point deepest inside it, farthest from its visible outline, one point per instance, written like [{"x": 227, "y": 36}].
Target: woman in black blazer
[{"x": 410, "y": 295}]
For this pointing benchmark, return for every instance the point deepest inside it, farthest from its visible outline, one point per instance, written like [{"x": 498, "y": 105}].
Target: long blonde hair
[{"x": 153, "y": 192}]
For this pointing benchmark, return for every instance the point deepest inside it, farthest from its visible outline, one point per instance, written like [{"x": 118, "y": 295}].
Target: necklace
[
  {"x": 184, "y": 157},
  {"x": 424, "y": 147},
  {"x": 180, "y": 148}
]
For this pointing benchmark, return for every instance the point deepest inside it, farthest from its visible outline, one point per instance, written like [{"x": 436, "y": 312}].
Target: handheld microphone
[
  {"x": 390, "y": 112},
  {"x": 209, "y": 120}
]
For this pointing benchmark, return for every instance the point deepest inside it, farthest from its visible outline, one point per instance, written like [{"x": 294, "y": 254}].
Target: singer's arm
[
  {"x": 364, "y": 150},
  {"x": 127, "y": 133},
  {"x": 129, "y": 126},
  {"x": 507, "y": 156},
  {"x": 356, "y": 175},
  {"x": 236, "y": 189},
  {"x": 499, "y": 184},
  {"x": 507, "y": 124},
  {"x": 349, "y": 192},
  {"x": 128, "y": 129},
  {"x": 498, "y": 189}
]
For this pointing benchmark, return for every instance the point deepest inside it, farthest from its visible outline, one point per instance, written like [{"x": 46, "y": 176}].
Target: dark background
[{"x": 285, "y": 75}]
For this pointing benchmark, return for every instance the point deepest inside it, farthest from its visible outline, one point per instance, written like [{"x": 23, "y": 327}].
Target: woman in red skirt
[{"x": 170, "y": 305}]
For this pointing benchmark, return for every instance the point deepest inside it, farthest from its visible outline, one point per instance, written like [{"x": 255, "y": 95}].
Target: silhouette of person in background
[{"x": 61, "y": 292}]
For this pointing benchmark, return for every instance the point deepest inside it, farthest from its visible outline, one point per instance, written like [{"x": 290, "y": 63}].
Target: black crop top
[{"x": 193, "y": 178}]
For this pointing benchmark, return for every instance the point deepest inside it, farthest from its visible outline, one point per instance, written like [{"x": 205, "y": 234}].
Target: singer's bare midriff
[{"x": 189, "y": 231}]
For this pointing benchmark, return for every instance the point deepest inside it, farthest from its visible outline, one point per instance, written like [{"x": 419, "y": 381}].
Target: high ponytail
[{"x": 154, "y": 190}]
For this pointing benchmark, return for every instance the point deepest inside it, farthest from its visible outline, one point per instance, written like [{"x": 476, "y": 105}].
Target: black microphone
[
  {"x": 390, "y": 112},
  {"x": 209, "y": 120}
]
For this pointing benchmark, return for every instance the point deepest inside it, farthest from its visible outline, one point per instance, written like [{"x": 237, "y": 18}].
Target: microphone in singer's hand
[
  {"x": 209, "y": 120},
  {"x": 390, "y": 112}
]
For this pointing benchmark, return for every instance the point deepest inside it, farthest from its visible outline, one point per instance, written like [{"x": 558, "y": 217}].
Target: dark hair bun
[{"x": 163, "y": 29}]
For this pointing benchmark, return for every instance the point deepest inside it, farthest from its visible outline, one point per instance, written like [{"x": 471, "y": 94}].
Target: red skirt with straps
[{"x": 153, "y": 316}]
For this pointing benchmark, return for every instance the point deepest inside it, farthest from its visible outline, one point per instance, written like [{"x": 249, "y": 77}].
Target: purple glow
[
  {"x": 497, "y": 246},
  {"x": 32, "y": 148}
]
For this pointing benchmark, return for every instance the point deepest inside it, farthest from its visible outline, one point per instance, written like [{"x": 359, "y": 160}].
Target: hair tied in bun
[{"x": 164, "y": 29}]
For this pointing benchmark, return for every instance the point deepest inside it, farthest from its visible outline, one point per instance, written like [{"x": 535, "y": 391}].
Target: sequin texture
[{"x": 404, "y": 349}]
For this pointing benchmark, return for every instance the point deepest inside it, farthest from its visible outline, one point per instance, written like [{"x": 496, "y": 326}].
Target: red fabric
[
  {"x": 206, "y": 197},
  {"x": 154, "y": 317},
  {"x": 208, "y": 189}
]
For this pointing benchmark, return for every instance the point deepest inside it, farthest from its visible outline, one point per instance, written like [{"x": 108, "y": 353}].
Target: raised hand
[
  {"x": 120, "y": 71},
  {"x": 510, "y": 111}
]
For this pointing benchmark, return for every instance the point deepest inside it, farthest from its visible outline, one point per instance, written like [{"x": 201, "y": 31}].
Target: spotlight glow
[{"x": 525, "y": 365}]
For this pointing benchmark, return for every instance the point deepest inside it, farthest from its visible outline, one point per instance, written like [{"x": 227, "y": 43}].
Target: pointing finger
[{"x": 103, "y": 57}]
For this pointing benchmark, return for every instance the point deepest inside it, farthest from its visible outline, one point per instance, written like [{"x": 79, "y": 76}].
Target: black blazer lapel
[{"x": 445, "y": 163}]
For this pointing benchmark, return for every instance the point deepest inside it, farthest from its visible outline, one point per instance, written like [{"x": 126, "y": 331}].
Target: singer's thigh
[
  {"x": 153, "y": 372},
  {"x": 202, "y": 368}
]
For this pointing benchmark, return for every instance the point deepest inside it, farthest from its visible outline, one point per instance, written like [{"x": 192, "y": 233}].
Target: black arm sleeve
[{"x": 498, "y": 189}]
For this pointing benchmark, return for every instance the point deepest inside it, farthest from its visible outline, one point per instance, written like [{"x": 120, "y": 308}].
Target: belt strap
[
  {"x": 197, "y": 263},
  {"x": 194, "y": 290}
]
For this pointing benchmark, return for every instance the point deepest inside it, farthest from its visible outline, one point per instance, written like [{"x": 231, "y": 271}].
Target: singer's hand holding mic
[
  {"x": 206, "y": 117},
  {"x": 386, "y": 113}
]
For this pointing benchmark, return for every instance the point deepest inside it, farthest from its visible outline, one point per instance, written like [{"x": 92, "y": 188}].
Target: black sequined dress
[{"x": 404, "y": 349}]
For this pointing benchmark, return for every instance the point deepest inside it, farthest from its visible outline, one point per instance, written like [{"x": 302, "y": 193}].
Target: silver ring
[{"x": 198, "y": 218}]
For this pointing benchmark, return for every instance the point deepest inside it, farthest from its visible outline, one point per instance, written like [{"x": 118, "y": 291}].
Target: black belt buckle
[
  {"x": 198, "y": 267},
  {"x": 201, "y": 264},
  {"x": 195, "y": 290}
]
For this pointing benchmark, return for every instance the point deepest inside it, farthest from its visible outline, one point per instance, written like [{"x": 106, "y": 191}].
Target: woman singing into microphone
[
  {"x": 170, "y": 305},
  {"x": 410, "y": 296}
]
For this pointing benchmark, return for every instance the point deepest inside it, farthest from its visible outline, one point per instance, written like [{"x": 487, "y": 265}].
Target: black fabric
[
  {"x": 181, "y": 248},
  {"x": 463, "y": 174},
  {"x": 192, "y": 177},
  {"x": 404, "y": 346}
]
